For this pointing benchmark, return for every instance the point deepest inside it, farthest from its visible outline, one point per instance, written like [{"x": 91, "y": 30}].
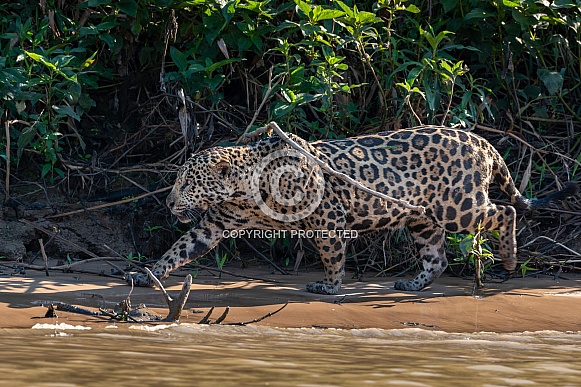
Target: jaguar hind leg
[
  {"x": 429, "y": 239},
  {"x": 503, "y": 219}
]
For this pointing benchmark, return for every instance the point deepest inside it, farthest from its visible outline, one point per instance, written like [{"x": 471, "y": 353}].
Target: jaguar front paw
[
  {"x": 322, "y": 288},
  {"x": 409, "y": 285},
  {"x": 139, "y": 279}
]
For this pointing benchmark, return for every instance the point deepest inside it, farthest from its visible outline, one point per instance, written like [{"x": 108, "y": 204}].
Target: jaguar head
[{"x": 203, "y": 182}]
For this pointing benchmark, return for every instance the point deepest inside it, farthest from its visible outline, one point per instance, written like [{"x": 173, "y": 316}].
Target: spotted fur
[{"x": 447, "y": 171}]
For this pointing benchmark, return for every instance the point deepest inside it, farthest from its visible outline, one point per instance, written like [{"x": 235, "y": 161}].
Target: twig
[
  {"x": 7, "y": 127},
  {"x": 555, "y": 242},
  {"x": 123, "y": 259},
  {"x": 43, "y": 256},
  {"x": 223, "y": 316},
  {"x": 139, "y": 186},
  {"x": 211, "y": 269},
  {"x": 57, "y": 236},
  {"x": 264, "y": 257},
  {"x": 274, "y": 126},
  {"x": 493, "y": 130},
  {"x": 264, "y": 99},
  {"x": 66, "y": 241},
  {"x": 206, "y": 319},
  {"x": 66, "y": 266},
  {"x": 111, "y": 204},
  {"x": 261, "y": 318}
]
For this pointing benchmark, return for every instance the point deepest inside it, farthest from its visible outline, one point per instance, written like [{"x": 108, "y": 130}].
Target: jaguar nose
[{"x": 169, "y": 202}]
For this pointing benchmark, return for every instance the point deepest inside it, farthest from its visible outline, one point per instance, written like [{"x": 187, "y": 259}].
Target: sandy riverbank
[{"x": 531, "y": 304}]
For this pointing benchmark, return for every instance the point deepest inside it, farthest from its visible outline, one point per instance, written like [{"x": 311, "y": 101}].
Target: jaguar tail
[{"x": 502, "y": 176}]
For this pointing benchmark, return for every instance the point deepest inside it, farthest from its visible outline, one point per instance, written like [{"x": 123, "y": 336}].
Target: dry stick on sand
[{"x": 273, "y": 126}]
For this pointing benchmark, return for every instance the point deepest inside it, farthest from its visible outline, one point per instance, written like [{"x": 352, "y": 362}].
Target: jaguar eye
[{"x": 186, "y": 187}]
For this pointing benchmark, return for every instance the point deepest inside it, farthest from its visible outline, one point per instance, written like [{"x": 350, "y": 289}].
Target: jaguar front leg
[
  {"x": 191, "y": 246},
  {"x": 332, "y": 252}
]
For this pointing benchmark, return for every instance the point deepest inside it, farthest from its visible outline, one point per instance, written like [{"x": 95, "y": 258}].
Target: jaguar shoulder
[{"x": 269, "y": 186}]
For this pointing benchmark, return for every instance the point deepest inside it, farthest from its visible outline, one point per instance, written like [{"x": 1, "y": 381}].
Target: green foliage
[
  {"x": 138, "y": 257},
  {"x": 338, "y": 67},
  {"x": 524, "y": 267}
]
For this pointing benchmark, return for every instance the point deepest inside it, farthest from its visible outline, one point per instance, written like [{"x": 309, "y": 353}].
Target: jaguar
[{"x": 442, "y": 174}]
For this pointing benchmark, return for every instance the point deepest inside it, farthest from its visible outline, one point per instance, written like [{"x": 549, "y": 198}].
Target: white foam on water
[{"x": 61, "y": 326}]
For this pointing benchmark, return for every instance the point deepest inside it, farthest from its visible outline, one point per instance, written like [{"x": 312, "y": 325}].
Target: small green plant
[
  {"x": 524, "y": 267},
  {"x": 151, "y": 229},
  {"x": 220, "y": 261},
  {"x": 474, "y": 249},
  {"x": 138, "y": 257}
]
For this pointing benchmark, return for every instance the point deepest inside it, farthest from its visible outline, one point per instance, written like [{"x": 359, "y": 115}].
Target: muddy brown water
[{"x": 196, "y": 355}]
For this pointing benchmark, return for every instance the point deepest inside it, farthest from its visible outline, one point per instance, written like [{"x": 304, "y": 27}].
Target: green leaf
[
  {"x": 297, "y": 75},
  {"x": 552, "y": 80},
  {"x": 107, "y": 38},
  {"x": 477, "y": 14},
  {"x": 326, "y": 14},
  {"x": 45, "y": 169},
  {"x": 449, "y": 5},
  {"x": 364, "y": 17},
  {"x": 25, "y": 138},
  {"x": 195, "y": 68},
  {"x": 348, "y": 10},
  {"x": 510, "y": 4},
  {"x": 40, "y": 59},
  {"x": 136, "y": 27},
  {"x": 67, "y": 111},
  {"x": 107, "y": 25},
  {"x": 532, "y": 91},
  {"x": 564, "y": 4},
  {"x": 466, "y": 244},
  {"x": 522, "y": 19},
  {"x": 128, "y": 6},
  {"x": 282, "y": 108},
  {"x": 306, "y": 8},
  {"x": 179, "y": 58},
  {"x": 94, "y": 3},
  {"x": 214, "y": 66},
  {"x": 413, "y": 8}
]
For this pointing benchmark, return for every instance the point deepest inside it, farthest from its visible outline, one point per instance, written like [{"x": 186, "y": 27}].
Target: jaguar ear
[{"x": 224, "y": 168}]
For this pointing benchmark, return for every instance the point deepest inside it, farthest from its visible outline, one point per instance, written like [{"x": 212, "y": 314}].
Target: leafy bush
[{"x": 325, "y": 69}]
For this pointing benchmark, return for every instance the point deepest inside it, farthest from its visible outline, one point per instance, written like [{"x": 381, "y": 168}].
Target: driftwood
[
  {"x": 175, "y": 306},
  {"x": 125, "y": 312},
  {"x": 53, "y": 306},
  {"x": 273, "y": 126}
]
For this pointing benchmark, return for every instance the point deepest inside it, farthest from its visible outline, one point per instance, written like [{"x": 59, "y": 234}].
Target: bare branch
[{"x": 274, "y": 126}]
